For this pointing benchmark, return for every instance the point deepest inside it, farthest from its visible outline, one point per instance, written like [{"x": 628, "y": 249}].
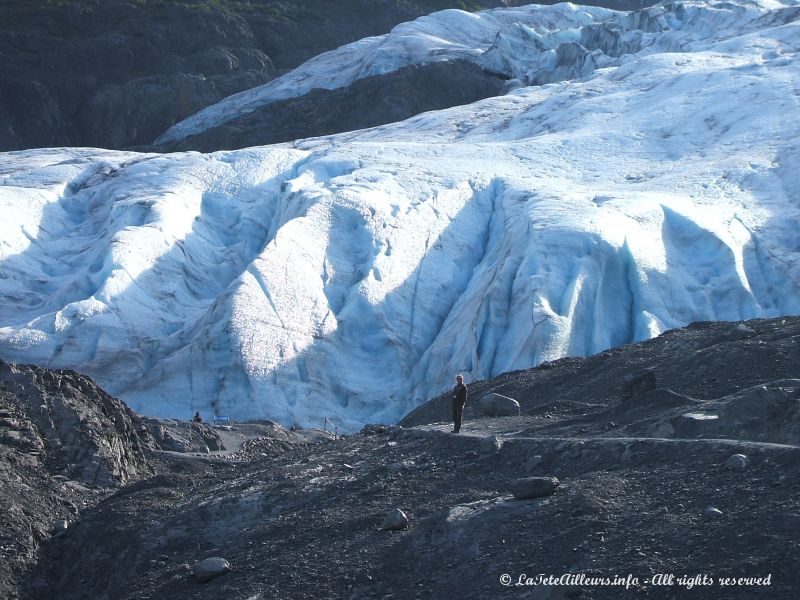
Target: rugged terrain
[
  {"x": 642, "y": 439},
  {"x": 117, "y": 74},
  {"x": 367, "y": 102},
  {"x": 63, "y": 443}
]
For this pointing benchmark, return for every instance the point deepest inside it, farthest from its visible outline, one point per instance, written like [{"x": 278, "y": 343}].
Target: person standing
[{"x": 459, "y": 400}]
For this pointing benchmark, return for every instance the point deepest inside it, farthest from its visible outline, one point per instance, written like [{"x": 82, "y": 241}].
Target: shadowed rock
[
  {"x": 639, "y": 385},
  {"x": 533, "y": 487},
  {"x": 490, "y": 446},
  {"x": 210, "y": 568}
]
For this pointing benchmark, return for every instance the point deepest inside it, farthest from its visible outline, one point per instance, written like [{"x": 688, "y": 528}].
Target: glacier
[{"x": 641, "y": 172}]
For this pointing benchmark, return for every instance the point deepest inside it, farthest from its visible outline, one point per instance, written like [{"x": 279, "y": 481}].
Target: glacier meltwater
[{"x": 640, "y": 172}]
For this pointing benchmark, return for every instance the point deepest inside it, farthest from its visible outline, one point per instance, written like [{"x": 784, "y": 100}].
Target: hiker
[
  {"x": 197, "y": 418},
  {"x": 459, "y": 400}
]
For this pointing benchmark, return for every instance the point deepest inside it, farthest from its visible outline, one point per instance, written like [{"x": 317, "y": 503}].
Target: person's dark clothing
[
  {"x": 197, "y": 418},
  {"x": 459, "y": 400}
]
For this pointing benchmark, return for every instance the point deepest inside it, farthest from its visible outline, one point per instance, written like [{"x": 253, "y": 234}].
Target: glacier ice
[{"x": 351, "y": 276}]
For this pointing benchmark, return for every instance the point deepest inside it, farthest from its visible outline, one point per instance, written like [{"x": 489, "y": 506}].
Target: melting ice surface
[{"x": 351, "y": 276}]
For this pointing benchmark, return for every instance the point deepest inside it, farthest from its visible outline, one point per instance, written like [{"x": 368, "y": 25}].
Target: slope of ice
[{"x": 351, "y": 276}]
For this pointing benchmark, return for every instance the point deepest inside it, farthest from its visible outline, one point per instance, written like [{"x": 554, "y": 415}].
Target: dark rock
[
  {"x": 184, "y": 436},
  {"x": 71, "y": 444},
  {"x": 60, "y": 527},
  {"x": 737, "y": 462},
  {"x": 533, "y": 487},
  {"x": 395, "y": 520},
  {"x": 375, "y": 429}
]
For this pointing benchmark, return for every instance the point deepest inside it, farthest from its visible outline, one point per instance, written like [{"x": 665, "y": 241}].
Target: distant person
[
  {"x": 197, "y": 418},
  {"x": 459, "y": 400}
]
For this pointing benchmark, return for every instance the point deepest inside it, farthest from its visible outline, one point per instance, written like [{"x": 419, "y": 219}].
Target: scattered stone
[
  {"x": 60, "y": 527},
  {"x": 375, "y": 429},
  {"x": 737, "y": 462},
  {"x": 210, "y": 568},
  {"x": 533, "y": 487},
  {"x": 497, "y": 405},
  {"x": 712, "y": 512},
  {"x": 395, "y": 520},
  {"x": 490, "y": 446},
  {"x": 741, "y": 331}
]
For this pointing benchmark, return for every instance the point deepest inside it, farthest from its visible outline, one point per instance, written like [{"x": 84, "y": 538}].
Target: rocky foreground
[{"x": 661, "y": 466}]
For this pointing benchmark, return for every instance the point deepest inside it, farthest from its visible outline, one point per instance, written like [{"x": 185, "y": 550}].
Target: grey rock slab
[
  {"x": 395, "y": 520},
  {"x": 497, "y": 405},
  {"x": 490, "y": 446},
  {"x": 210, "y": 568},
  {"x": 737, "y": 462}
]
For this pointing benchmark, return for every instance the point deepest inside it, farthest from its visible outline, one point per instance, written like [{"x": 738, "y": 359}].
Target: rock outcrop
[
  {"x": 117, "y": 74},
  {"x": 64, "y": 443}
]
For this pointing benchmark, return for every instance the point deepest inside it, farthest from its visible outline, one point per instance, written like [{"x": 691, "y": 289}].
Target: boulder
[
  {"x": 497, "y": 405},
  {"x": 210, "y": 568},
  {"x": 712, "y": 512},
  {"x": 737, "y": 462},
  {"x": 741, "y": 331},
  {"x": 395, "y": 519},
  {"x": 533, "y": 487},
  {"x": 490, "y": 446},
  {"x": 60, "y": 527}
]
